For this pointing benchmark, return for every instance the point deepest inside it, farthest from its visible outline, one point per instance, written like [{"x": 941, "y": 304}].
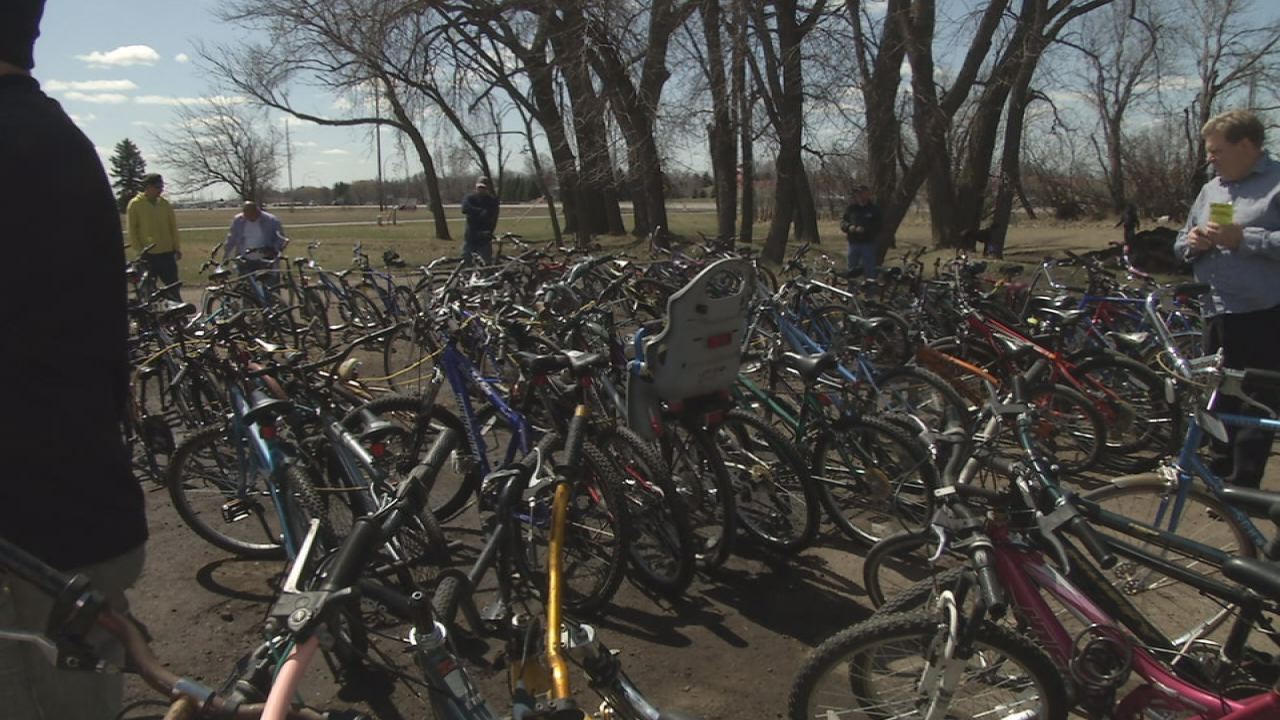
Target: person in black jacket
[
  {"x": 67, "y": 493},
  {"x": 861, "y": 225},
  {"x": 481, "y": 209}
]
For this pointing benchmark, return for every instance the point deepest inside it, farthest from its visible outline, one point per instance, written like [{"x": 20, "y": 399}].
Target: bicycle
[{"x": 1005, "y": 567}]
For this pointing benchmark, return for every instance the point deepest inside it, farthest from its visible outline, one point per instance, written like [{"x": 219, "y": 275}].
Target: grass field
[{"x": 339, "y": 228}]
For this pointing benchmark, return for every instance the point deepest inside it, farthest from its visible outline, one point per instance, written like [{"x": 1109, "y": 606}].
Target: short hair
[{"x": 1234, "y": 126}]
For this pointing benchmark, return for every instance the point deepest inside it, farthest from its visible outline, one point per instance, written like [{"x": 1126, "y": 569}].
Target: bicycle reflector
[{"x": 719, "y": 340}]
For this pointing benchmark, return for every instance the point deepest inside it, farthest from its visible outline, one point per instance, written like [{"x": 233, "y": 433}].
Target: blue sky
[{"x": 119, "y": 68}]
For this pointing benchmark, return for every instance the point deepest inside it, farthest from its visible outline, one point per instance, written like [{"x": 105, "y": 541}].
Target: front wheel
[{"x": 880, "y": 669}]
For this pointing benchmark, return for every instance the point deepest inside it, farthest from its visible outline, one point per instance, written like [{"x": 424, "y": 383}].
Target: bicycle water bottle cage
[{"x": 699, "y": 349}]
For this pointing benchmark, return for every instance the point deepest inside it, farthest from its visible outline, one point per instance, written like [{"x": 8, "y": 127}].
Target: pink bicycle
[{"x": 955, "y": 659}]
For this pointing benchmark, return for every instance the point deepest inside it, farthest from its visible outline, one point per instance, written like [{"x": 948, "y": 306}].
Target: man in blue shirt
[
  {"x": 256, "y": 237},
  {"x": 1232, "y": 240},
  {"x": 861, "y": 225},
  {"x": 481, "y": 209}
]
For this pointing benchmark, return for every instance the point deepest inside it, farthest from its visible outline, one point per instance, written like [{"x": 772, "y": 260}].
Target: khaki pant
[{"x": 31, "y": 688}]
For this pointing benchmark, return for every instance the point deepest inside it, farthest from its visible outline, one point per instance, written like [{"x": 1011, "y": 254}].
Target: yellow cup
[{"x": 1221, "y": 213}]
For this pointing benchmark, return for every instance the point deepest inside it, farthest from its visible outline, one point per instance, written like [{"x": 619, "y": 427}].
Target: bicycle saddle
[{"x": 810, "y": 366}]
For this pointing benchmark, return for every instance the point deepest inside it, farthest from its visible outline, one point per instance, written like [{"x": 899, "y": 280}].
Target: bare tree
[
  {"x": 222, "y": 141},
  {"x": 359, "y": 48},
  {"x": 780, "y": 80},
  {"x": 1233, "y": 54},
  {"x": 1120, "y": 70}
]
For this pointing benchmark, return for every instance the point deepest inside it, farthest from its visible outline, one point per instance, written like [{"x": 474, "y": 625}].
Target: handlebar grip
[
  {"x": 989, "y": 582},
  {"x": 354, "y": 554},
  {"x": 1260, "y": 379},
  {"x": 1019, "y": 388},
  {"x": 1080, "y": 528}
]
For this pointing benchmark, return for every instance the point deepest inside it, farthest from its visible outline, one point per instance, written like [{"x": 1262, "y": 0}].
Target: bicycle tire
[
  {"x": 922, "y": 394},
  {"x": 702, "y": 484},
  {"x": 360, "y": 312},
  {"x": 406, "y": 356},
  {"x": 1068, "y": 428},
  {"x": 457, "y": 483},
  {"x": 1171, "y": 606},
  {"x": 898, "y": 562},
  {"x": 1143, "y": 425},
  {"x": 836, "y": 679},
  {"x": 203, "y": 475},
  {"x": 774, "y": 496},
  {"x": 873, "y": 478},
  {"x": 596, "y": 534},
  {"x": 661, "y": 544}
]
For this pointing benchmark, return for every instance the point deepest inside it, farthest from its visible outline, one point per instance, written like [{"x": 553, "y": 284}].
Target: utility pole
[
  {"x": 288, "y": 156},
  {"x": 377, "y": 141}
]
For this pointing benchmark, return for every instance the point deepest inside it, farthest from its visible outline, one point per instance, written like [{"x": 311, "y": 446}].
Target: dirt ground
[{"x": 728, "y": 650}]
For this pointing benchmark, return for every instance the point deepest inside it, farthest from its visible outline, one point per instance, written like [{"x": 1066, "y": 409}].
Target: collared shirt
[
  {"x": 269, "y": 243},
  {"x": 1247, "y": 278},
  {"x": 152, "y": 223}
]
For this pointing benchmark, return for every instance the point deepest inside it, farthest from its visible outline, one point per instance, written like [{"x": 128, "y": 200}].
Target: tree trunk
[
  {"x": 434, "y": 201},
  {"x": 742, "y": 92},
  {"x": 724, "y": 158}
]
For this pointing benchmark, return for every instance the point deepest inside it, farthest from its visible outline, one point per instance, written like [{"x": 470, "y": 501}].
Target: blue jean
[{"x": 863, "y": 255}]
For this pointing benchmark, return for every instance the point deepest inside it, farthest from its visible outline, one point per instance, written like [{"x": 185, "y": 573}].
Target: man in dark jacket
[
  {"x": 481, "y": 209},
  {"x": 861, "y": 225},
  {"x": 67, "y": 494}
]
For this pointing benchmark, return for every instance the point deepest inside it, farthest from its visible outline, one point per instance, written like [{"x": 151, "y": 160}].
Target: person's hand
[
  {"x": 1225, "y": 236},
  {"x": 1198, "y": 241}
]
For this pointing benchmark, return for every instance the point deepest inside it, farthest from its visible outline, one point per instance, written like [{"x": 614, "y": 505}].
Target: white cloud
[
  {"x": 122, "y": 56},
  {"x": 182, "y": 58},
  {"x": 102, "y": 98},
  {"x": 320, "y": 162},
  {"x": 89, "y": 85},
  {"x": 334, "y": 151},
  {"x": 304, "y": 143},
  {"x": 144, "y": 123},
  {"x": 208, "y": 100},
  {"x": 83, "y": 119},
  {"x": 103, "y": 153}
]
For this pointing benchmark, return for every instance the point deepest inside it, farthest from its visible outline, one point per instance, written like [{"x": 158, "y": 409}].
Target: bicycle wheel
[
  {"x": 1143, "y": 424},
  {"x": 407, "y": 356},
  {"x": 661, "y": 544},
  {"x": 1176, "y": 609},
  {"x": 596, "y": 535},
  {"x": 775, "y": 498},
  {"x": 899, "y": 562},
  {"x": 221, "y": 494},
  {"x": 1068, "y": 428},
  {"x": 877, "y": 670},
  {"x": 923, "y": 395},
  {"x": 359, "y": 312},
  {"x": 702, "y": 484},
  {"x": 406, "y": 445},
  {"x": 873, "y": 478}
]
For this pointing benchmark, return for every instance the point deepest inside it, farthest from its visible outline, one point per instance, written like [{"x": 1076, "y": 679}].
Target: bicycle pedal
[{"x": 236, "y": 510}]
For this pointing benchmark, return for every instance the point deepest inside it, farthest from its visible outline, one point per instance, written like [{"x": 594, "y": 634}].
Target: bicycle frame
[{"x": 1024, "y": 575}]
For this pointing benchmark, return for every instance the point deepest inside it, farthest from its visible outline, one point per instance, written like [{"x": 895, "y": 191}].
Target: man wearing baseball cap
[
  {"x": 67, "y": 495},
  {"x": 481, "y": 209},
  {"x": 153, "y": 224}
]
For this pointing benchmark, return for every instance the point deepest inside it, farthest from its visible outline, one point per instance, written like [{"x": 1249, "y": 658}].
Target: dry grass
[{"x": 337, "y": 229}]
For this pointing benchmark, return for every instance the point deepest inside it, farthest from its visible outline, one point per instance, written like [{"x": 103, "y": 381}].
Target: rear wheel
[
  {"x": 661, "y": 544},
  {"x": 873, "y": 478},
  {"x": 703, "y": 485}
]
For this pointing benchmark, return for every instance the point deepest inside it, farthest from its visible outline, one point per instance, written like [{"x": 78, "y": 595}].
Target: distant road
[{"x": 695, "y": 206}]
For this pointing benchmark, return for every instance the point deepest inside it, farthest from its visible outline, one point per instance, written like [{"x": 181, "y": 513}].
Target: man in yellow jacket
[{"x": 152, "y": 222}]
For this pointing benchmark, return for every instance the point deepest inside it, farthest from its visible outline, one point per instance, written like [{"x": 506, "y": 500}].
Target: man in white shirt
[{"x": 256, "y": 238}]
